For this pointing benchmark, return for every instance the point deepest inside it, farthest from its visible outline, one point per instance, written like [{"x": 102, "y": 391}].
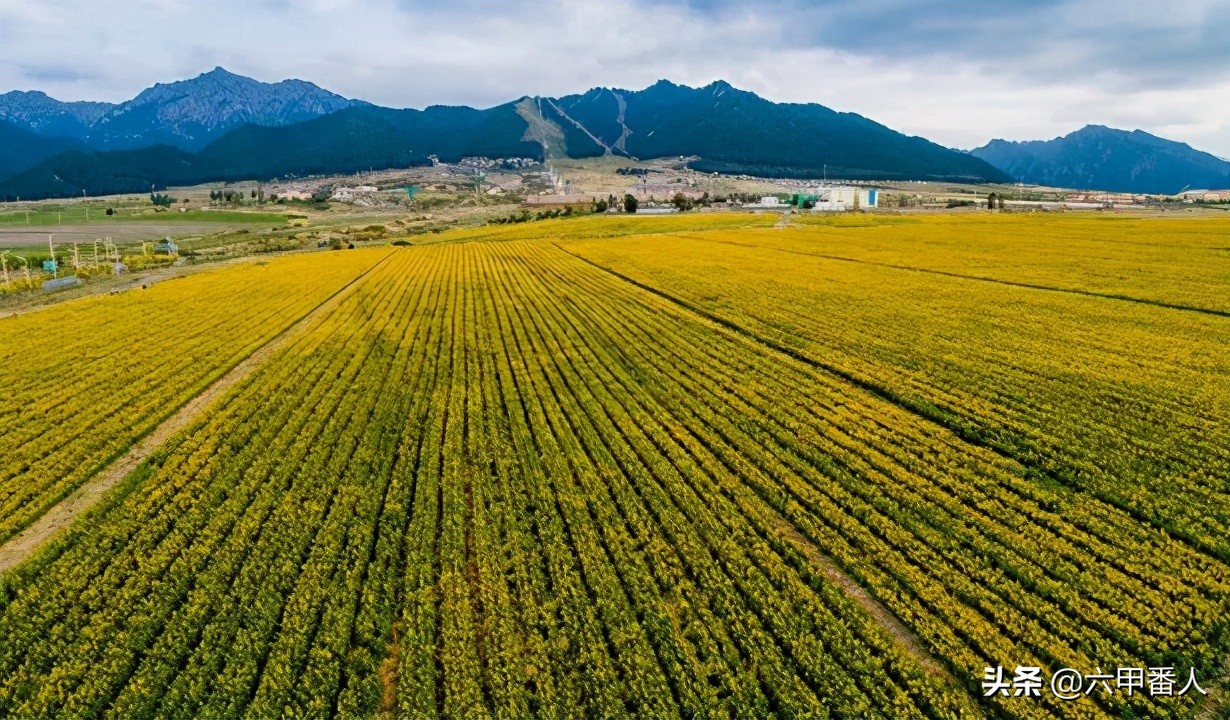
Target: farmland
[
  {"x": 83, "y": 223},
  {"x": 85, "y": 380},
  {"x": 695, "y": 466}
]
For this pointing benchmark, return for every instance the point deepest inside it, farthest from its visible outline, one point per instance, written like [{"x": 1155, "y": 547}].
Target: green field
[
  {"x": 79, "y": 214},
  {"x": 693, "y": 466}
]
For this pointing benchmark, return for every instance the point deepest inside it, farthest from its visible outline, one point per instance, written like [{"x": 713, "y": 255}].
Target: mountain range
[
  {"x": 1102, "y": 158},
  {"x": 188, "y": 114},
  {"x": 222, "y": 126}
]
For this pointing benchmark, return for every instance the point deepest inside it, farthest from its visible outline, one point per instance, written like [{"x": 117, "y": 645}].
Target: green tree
[{"x": 630, "y": 203}]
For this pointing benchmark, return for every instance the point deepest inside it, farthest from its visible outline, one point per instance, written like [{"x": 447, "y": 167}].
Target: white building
[
  {"x": 348, "y": 194},
  {"x": 768, "y": 202},
  {"x": 1204, "y": 195},
  {"x": 839, "y": 198}
]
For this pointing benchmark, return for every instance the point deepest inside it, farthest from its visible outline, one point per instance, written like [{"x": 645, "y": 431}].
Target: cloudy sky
[{"x": 955, "y": 72}]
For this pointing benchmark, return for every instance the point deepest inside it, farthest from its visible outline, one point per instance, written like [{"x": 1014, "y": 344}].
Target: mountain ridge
[
  {"x": 41, "y": 114},
  {"x": 1097, "y": 157}
]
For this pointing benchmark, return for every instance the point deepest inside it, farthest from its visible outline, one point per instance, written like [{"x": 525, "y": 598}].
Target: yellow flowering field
[
  {"x": 83, "y": 380},
  {"x": 667, "y": 467}
]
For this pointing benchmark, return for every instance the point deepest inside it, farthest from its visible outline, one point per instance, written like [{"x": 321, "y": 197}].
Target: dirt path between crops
[
  {"x": 28, "y": 541},
  {"x": 837, "y": 576}
]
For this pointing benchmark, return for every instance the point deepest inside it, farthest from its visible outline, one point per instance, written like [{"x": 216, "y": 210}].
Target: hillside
[
  {"x": 1102, "y": 158},
  {"x": 21, "y": 149},
  {"x": 368, "y": 137},
  {"x": 347, "y": 141}
]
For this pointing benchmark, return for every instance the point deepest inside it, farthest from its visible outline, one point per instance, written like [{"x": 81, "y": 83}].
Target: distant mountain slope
[
  {"x": 729, "y": 130},
  {"x": 21, "y": 149},
  {"x": 346, "y": 141},
  {"x": 736, "y": 131},
  {"x": 188, "y": 114},
  {"x": 369, "y": 137},
  {"x": 106, "y": 173},
  {"x": 1102, "y": 158}
]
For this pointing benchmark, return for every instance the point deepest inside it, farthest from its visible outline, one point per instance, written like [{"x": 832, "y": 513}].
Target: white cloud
[{"x": 955, "y": 75}]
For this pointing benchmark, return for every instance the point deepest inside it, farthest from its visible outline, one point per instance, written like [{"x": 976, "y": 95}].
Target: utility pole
[
  {"x": 76, "y": 258},
  {"x": 55, "y": 267},
  {"x": 95, "y": 254}
]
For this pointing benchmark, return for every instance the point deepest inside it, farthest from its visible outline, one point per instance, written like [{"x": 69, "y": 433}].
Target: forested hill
[{"x": 736, "y": 131}]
